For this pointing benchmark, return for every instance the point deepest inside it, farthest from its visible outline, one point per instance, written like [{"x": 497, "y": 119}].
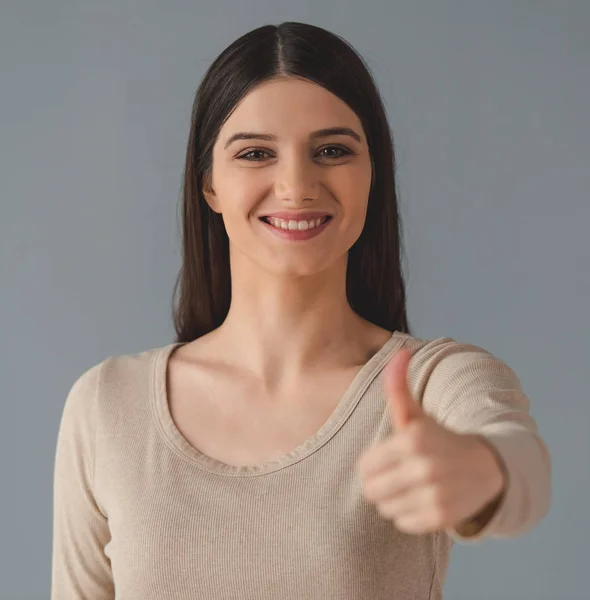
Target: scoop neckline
[{"x": 176, "y": 441}]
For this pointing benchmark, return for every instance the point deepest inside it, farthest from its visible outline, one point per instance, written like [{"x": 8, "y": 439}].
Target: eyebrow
[{"x": 321, "y": 133}]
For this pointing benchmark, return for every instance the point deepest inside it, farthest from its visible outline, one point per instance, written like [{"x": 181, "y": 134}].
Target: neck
[{"x": 279, "y": 326}]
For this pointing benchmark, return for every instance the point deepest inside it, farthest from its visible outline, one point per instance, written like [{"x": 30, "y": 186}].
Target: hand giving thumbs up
[{"x": 426, "y": 477}]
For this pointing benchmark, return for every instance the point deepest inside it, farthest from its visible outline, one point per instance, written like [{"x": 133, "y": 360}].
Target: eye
[
  {"x": 327, "y": 152},
  {"x": 334, "y": 152},
  {"x": 254, "y": 155}
]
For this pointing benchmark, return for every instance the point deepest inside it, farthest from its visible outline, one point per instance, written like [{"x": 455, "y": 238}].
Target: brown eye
[
  {"x": 253, "y": 155},
  {"x": 332, "y": 152}
]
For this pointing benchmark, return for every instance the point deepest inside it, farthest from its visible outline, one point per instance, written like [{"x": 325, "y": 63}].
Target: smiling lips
[
  {"x": 295, "y": 224},
  {"x": 304, "y": 226}
]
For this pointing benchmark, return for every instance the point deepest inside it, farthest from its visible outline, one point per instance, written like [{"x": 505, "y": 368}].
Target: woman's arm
[
  {"x": 469, "y": 390},
  {"x": 80, "y": 569}
]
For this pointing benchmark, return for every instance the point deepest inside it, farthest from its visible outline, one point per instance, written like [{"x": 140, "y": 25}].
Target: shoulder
[
  {"x": 444, "y": 369},
  {"x": 446, "y": 353},
  {"x": 111, "y": 380}
]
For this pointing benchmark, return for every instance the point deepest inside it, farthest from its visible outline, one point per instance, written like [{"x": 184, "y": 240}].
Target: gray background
[{"x": 489, "y": 106}]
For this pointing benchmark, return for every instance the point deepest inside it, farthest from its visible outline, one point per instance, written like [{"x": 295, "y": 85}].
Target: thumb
[{"x": 403, "y": 407}]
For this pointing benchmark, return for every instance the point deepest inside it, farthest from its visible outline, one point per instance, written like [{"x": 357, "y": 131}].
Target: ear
[{"x": 210, "y": 195}]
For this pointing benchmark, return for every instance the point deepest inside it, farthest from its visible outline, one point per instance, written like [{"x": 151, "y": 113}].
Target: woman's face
[{"x": 292, "y": 193}]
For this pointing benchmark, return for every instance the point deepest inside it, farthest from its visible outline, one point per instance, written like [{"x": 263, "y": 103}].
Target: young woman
[{"x": 295, "y": 441}]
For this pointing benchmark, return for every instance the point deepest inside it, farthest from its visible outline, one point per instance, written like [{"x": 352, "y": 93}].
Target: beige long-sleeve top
[{"x": 140, "y": 514}]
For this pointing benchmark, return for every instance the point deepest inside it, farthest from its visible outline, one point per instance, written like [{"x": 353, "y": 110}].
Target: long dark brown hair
[{"x": 374, "y": 282}]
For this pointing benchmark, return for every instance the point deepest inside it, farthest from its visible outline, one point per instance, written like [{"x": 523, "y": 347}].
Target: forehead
[{"x": 289, "y": 106}]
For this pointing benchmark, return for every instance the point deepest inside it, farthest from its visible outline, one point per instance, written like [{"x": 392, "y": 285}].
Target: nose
[{"x": 297, "y": 180}]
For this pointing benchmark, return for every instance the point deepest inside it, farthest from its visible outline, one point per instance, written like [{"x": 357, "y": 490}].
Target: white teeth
[{"x": 293, "y": 225}]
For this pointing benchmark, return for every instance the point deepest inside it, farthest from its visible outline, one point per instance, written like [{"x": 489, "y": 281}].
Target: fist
[{"x": 426, "y": 477}]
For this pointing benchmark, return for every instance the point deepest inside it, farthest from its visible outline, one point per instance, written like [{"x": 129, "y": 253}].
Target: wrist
[
  {"x": 493, "y": 467},
  {"x": 495, "y": 478}
]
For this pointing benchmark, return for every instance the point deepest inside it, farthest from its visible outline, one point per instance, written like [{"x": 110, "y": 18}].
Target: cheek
[
  {"x": 352, "y": 189},
  {"x": 239, "y": 194}
]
